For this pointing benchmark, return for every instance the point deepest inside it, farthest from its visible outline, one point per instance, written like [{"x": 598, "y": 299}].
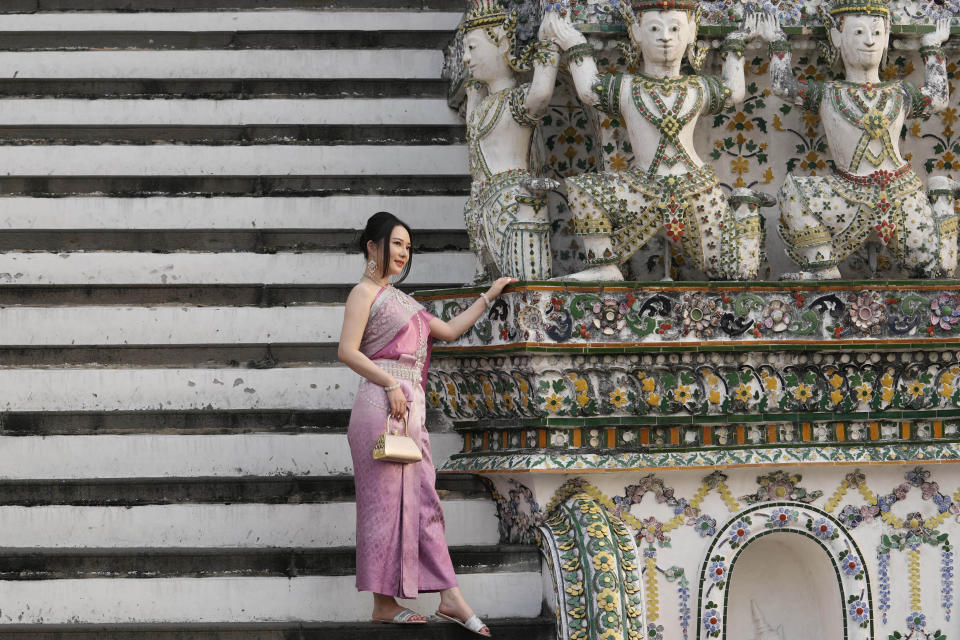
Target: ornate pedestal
[{"x": 704, "y": 417}]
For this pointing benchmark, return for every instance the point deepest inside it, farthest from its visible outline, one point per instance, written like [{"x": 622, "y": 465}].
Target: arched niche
[
  {"x": 784, "y": 580},
  {"x": 804, "y": 559}
]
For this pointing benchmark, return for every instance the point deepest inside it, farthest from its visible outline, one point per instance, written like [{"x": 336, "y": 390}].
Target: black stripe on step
[
  {"x": 33, "y": 6},
  {"x": 138, "y": 186},
  {"x": 540, "y": 628},
  {"x": 133, "y": 492},
  {"x": 213, "y": 88},
  {"x": 220, "y": 40},
  {"x": 252, "y": 241},
  {"x": 250, "y": 295},
  {"x": 240, "y": 135},
  {"x": 173, "y": 422},
  {"x": 244, "y": 356},
  {"x": 64, "y": 564}
]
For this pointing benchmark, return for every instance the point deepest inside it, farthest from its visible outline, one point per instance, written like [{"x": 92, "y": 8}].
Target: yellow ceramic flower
[
  {"x": 608, "y": 600},
  {"x": 597, "y": 530},
  {"x": 648, "y": 384},
  {"x": 742, "y": 393},
  {"x": 653, "y": 399},
  {"x": 886, "y": 394},
  {"x": 836, "y": 381},
  {"x": 770, "y": 383},
  {"x": 582, "y": 399},
  {"x": 682, "y": 393},
  {"x": 434, "y": 399},
  {"x": 553, "y": 402},
  {"x": 864, "y": 392},
  {"x": 715, "y": 397},
  {"x": 836, "y": 396},
  {"x": 579, "y": 384},
  {"x": 915, "y": 388},
  {"x": 618, "y": 397},
  {"x": 611, "y": 634},
  {"x": 604, "y": 562},
  {"x": 946, "y": 391},
  {"x": 575, "y": 589},
  {"x": 803, "y": 392}
]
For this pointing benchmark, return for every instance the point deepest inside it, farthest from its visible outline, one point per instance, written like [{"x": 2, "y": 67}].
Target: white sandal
[
  {"x": 402, "y": 617},
  {"x": 473, "y": 623}
]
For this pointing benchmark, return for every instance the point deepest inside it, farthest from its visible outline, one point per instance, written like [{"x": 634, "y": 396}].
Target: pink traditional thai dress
[{"x": 401, "y": 545}]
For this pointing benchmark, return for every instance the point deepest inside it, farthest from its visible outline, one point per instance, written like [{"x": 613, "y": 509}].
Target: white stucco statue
[
  {"x": 761, "y": 628},
  {"x": 506, "y": 215},
  {"x": 668, "y": 189},
  {"x": 874, "y": 194}
]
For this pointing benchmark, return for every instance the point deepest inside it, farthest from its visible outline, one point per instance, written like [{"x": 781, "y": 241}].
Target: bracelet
[
  {"x": 779, "y": 48},
  {"x": 392, "y": 387},
  {"x": 486, "y": 300},
  {"x": 732, "y": 45},
  {"x": 577, "y": 53},
  {"x": 931, "y": 50},
  {"x": 545, "y": 52}
]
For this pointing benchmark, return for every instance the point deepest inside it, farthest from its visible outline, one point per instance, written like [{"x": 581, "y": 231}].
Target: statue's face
[
  {"x": 663, "y": 35},
  {"x": 483, "y": 57},
  {"x": 862, "y": 41}
]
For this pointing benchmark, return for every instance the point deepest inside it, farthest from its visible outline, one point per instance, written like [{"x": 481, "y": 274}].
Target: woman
[{"x": 386, "y": 337}]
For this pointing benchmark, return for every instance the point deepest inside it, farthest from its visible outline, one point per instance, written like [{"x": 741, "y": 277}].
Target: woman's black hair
[{"x": 378, "y": 230}]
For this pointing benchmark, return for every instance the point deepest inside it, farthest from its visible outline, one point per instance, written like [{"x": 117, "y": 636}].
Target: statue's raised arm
[
  {"x": 505, "y": 217},
  {"x": 873, "y": 196},
  {"x": 934, "y": 95},
  {"x": 668, "y": 191},
  {"x": 782, "y": 81}
]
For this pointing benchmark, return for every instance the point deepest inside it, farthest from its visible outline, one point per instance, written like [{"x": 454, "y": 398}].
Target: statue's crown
[
  {"x": 666, "y": 5},
  {"x": 483, "y": 13},
  {"x": 869, "y": 7}
]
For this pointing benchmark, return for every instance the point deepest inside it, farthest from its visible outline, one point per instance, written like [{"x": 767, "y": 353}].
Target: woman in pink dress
[{"x": 386, "y": 338}]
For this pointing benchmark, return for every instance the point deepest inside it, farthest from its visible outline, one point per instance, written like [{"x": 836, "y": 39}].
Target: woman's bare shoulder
[{"x": 363, "y": 294}]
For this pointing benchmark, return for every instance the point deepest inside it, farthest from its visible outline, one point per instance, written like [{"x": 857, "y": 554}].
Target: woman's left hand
[{"x": 498, "y": 285}]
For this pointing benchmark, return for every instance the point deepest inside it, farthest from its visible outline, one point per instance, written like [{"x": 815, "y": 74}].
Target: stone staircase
[{"x": 182, "y": 182}]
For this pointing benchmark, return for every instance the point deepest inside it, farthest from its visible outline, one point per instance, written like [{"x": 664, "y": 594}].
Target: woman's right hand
[
  {"x": 498, "y": 285},
  {"x": 398, "y": 403}
]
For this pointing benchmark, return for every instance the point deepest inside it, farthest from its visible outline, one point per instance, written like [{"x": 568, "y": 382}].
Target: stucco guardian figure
[
  {"x": 506, "y": 215},
  {"x": 874, "y": 195},
  {"x": 669, "y": 189}
]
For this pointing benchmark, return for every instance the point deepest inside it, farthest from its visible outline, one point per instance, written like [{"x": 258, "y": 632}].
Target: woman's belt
[{"x": 400, "y": 370}]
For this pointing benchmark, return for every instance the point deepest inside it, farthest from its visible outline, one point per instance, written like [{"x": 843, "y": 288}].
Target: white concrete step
[
  {"x": 333, "y": 524},
  {"x": 73, "y": 390},
  {"x": 102, "y": 325},
  {"x": 179, "y": 160},
  {"x": 279, "y": 20},
  {"x": 129, "y": 268},
  {"x": 96, "y": 600},
  {"x": 333, "y": 63},
  {"x": 187, "y": 456},
  {"x": 399, "y": 111},
  {"x": 334, "y": 212}
]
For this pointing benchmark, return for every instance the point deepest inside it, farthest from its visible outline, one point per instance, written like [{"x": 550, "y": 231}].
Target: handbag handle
[{"x": 387, "y": 426}]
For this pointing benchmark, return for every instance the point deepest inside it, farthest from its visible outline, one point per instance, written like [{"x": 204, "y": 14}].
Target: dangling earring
[{"x": 372, "y": 268}]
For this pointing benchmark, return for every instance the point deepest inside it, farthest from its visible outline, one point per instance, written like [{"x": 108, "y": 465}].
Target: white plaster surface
[
  {"x": 333, "y": 212},
  {"x": 333, "y": 524},
  {"x": 56, "y": 111},
  {"x": 330, "y": 387},
  {"x": 186, "y": 456},
  {"x": 168, "y": 325},
  {"x": 273, "y": 20},
  {"x": 99, "y": 600},
  {"x": 270, "y": 160},
  {"x": 330, "y": 63},
  {"x": 103, "y": 267},
  {"x": 762, "y": 573}
]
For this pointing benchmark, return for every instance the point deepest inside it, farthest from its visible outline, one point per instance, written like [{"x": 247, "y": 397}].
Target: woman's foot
[
  {"x": 454, "y": 608},
  {"x": 387, "y": 609}
]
